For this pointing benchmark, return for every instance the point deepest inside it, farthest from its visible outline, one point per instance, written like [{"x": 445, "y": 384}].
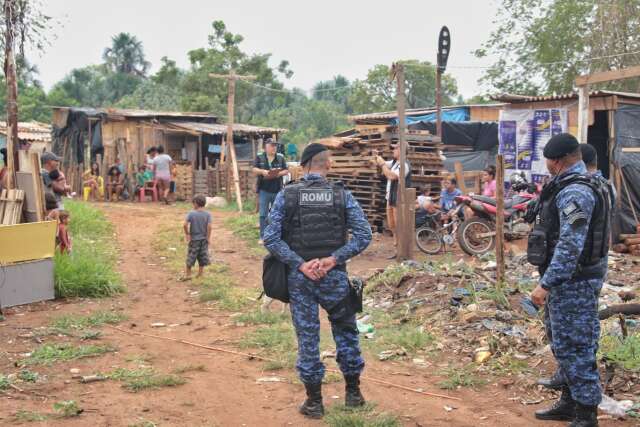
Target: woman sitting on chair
[
  {"x": 93, "y": 182},
  {"x": 115, "y": 183}
]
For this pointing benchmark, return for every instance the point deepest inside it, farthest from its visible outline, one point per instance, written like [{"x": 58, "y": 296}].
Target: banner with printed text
[{"x": 523, "y": 135}]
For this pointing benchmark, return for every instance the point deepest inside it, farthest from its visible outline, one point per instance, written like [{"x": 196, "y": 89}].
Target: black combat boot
[
  {"x": 353, "y": 397},
  {"x": 312, "y": 407},
  {"x": 586, "y": 416},
  {"x": 556, "y": 382},
  {"x": 562, "y": 410}
]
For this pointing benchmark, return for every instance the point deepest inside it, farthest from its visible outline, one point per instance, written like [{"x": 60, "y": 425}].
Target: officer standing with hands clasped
[
  {"x": 308, "y": 230},
  {"x": 569, "y": 244}
]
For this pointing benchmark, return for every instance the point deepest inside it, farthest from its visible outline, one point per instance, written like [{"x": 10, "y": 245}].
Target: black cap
[
  {"x": 560, "y": 145},
  {"x": 310, "y": 151},
  {"x": 589, "y": 153}
]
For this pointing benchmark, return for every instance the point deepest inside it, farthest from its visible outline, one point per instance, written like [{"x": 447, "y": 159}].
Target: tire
[
  {"x": 472, "y": 245},
  {"x": 428, "y": 240}
]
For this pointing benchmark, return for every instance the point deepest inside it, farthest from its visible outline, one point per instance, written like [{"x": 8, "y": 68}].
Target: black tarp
[
  {"x": 627, "y": 128},
  {"x": 481, "y": 136},
  {"x": 470, "y": 160}
]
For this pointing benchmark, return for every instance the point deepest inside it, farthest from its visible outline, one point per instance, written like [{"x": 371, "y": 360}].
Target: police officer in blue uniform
[
  {"x": 569, "y": 244},
  {"x": 308, "y": 230}
]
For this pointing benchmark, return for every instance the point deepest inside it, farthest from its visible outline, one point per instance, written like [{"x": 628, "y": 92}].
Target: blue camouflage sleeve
[
  {"x": 360, "y": 231},
  {"x": 273, "y": 235},
  {"x": 575, "y": 207}
]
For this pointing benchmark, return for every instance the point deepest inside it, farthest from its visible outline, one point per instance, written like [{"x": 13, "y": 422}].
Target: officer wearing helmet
[
  {"x": 569, "y": 244},
  {"x": 308, "y": 230}
]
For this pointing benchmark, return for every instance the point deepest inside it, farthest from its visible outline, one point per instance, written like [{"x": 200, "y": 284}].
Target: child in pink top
[{"x": 489, "y": 180}]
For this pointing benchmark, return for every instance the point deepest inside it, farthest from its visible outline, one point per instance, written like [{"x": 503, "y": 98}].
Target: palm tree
[{"x": 126, "y": 55}]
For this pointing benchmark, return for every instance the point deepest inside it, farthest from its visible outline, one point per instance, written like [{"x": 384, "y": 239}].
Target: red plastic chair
[{"x": 153, "y": 189}]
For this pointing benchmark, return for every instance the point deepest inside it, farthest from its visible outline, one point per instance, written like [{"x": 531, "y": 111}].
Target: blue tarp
[{"x": 452, "y": 115}]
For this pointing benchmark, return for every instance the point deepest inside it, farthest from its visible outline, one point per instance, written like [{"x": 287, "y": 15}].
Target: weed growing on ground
[
  {"x": 140, "y": 359},
  {"x": 89, "y": 271},
  {"x": 393, "y": 335},
  {"x": 258, "y": 317},
  {"x": 47, "y": 354},
  {"x": 390, "y": 277},
  {"x": 28, "y": 376},
  {"x": 190, "y": 368},
  {"x": 365, "y": 416},
  {"x": 624, "y": 352},
  {"x": 30, "y": 416},
  {"x": 90, "y": 335},
  {"x": 137, "y": 380},
  {"x": 66, "y": 324},
  {"x": 276, "y": 341},
  {"x": 507, "y": 365},
  {"x": 67, "y": 408},
  {"x": 461, "y": 377},
  {"x": 246, "y": 227},
  {"x": 5, "y": 383}
]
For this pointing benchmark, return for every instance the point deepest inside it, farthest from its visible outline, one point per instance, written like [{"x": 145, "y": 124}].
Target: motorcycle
[
  {"x": 432, "y": 236},
  {"x": 477, "y": 235}
]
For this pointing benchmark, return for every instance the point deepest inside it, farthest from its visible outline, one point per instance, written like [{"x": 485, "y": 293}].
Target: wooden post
[
  {"x": 404, "y": 238},
  {"x": 231, "y": 78},
  {"x": 199, "y": 151},
  {"x": 438, "y": 102},
  {"x": 460, "y": 177},
  {"x": 583, "y": 113},
  {"x": 12, "y": 92},
  {"x": 500, "y": 220}
]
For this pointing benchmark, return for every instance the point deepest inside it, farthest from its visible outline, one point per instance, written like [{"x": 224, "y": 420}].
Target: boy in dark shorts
[{"x": 197, "y": 230}]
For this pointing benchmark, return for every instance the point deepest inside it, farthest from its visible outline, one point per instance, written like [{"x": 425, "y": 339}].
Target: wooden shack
[
  {"x": 193, "y": 140},
  {"x": 32, "y": 136}
]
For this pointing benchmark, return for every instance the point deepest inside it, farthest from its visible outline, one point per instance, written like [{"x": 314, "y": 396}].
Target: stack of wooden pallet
[
  {"x": 200, "y": 182},
  {"x": 354, "y": 155},
  {"x": 184, "y": 180},
  {"x": 11, "y": 206}
]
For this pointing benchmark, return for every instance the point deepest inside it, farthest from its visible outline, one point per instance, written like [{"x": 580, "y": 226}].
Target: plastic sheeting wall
[{"x": 627, "y": 131}]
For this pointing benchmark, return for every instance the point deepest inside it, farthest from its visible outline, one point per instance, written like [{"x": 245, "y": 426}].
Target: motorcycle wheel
[
  {"x": 468, "y": 231},
  {"x": 428, "y": 240}
]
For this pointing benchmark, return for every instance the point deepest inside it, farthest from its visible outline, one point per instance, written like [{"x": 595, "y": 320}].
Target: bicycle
[{"x": 432, "y": 235}]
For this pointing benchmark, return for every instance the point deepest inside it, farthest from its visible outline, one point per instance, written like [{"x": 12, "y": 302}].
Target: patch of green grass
[
  {"x": 90, "y": 335},
  {"x": 190, "y": 368},
  {"x": 391, "y": 334},
  {"x": 137, "y": 380},
  {"x": 67, "y": 408},
  {"x": 276, "y": 341},
  {"x": 47, "y": 354},
  {"x": 5, "y": 383},
  {"x": 508, "y": 365},
  {"x": 245, "y": 226},
  {"x": 390, "y": 277},
  {"x": 623, "y": 352},
  {"x": 248, "y": 205},
  {"x": 140, "y": 359},
  {"x": 30, "y": 416},
  {"x": 461, "y": 377},
  {"x": 258, "y": 317},
  {"x": 65, "y": 324},
  {"x": 366, "y": 416},
  {"x": 89, "y": 271},
  {"x": 28, "y": 376}
]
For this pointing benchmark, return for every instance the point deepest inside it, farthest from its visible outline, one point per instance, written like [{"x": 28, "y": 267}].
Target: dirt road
[{"x": 227, "y": 393}]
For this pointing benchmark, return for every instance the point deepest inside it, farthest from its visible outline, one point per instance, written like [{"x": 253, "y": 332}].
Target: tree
[
  {"x": 126, "y": 55},
  {"x": 378, "y": 91},
  {"x": 541, "y": 46},
  {"x": 336, "y": 90}
]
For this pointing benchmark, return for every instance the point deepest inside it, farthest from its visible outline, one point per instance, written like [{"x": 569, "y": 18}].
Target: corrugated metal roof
[
  {"x": 221, "y": 129},
  {"x": 122, "y": 112},
  {"x": 30, "y": 131},
  {"x": 414, "y": 112},
  {"x": 517, "y": 99}
]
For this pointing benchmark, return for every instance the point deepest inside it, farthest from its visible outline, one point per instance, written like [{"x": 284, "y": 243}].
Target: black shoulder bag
[{"x": 274, "y": 278}]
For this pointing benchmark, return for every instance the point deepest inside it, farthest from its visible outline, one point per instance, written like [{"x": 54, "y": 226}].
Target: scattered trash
[
  {"x": 529, "y": 307},
  {"x": 364, "y": 328},
  {"x": 617, "y": 408},
  {"x": 271, "y": 380},
  {"x": 92, "y": 379},
  {"x": 489, "y": 266},
  {"x": 449, "y": 408},
  {"x": 389, "y": 354},
  {"x": 74, "y": 371},
  {"x": 328, "y": 354},
  {"x": 158, "y": 325},
  {"x": 482, "y": 354}
]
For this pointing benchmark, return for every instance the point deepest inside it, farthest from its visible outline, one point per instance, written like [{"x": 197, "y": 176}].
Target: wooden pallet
[{"x": 11, "y": 206}]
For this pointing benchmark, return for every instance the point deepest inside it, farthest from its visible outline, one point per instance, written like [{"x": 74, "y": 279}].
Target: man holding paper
[{"x": 270, "y": 166}]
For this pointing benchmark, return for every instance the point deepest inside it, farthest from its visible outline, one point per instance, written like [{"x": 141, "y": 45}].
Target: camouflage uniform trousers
[
  {"x": 573, "y": 327},
  {"x": 305, "y": 298}
]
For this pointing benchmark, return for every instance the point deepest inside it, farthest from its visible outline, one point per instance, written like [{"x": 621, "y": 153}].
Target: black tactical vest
[
  {"x": 546, "y": 231},
  {"x": 315, "y": 223}
]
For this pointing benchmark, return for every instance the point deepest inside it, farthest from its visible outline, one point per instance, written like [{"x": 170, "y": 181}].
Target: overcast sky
[{"x": 319, "y": 38}]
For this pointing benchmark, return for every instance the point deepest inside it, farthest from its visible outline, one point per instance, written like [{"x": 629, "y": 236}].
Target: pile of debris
[
  {"x": 354, "y": 154},
  {"x": 498, "y": 329}
]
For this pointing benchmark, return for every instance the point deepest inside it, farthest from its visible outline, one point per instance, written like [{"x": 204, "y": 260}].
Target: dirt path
[{"x": 227, "y": 393}]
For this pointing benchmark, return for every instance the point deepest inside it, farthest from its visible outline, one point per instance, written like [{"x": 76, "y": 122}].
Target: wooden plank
[
  {"x": 38, "y": 186},
  {"x": 583, "y": 113},
  {"x": 607, "y": 76},
  {"x": 460, "y": 177},
  {"x": 500, "y": 220},
  {"x": 631, "y": 150}
]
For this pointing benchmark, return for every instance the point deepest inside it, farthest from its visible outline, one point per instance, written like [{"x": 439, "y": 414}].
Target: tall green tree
[
  {"x": 378, "y": 91},
  {"x": 126, "y": 55},
  {"x": 540, "y": 46},
  {"x": 336, "y": 90}
]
